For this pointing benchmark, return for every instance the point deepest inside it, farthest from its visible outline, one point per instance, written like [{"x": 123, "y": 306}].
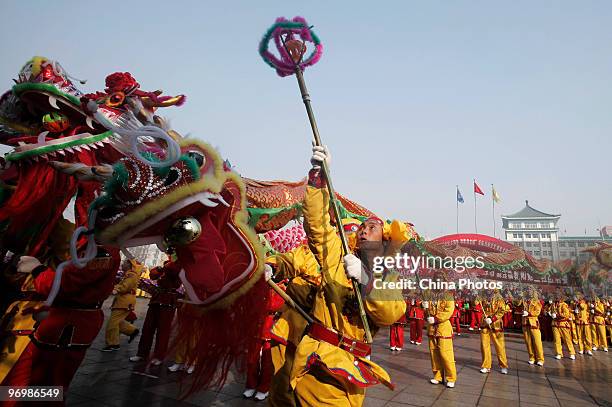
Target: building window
[
  {"x": 563, "y": 254},
  {"x": 536, "y": 253}
]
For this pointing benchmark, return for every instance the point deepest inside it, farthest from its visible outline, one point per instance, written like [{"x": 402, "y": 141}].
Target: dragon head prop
[{"x": 46, "y": 117}]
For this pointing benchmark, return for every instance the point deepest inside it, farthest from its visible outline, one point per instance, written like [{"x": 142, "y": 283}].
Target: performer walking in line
[
  {"x": 531, "y": 328},
  {"x": 492, "y": 330},
  {"x": 440, "y": 334},
  {"x": 123, "y": 304}
]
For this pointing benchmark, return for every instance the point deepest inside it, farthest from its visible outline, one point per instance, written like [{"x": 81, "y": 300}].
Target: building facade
[
  {"x": 534, "y": 231},
  {"x": 537, "y": 233}
]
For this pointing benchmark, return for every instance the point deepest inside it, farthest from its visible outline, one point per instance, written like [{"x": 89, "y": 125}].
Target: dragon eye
[
  {"x": 115, "y": 99},
  {"x": 197, "y": 157}
]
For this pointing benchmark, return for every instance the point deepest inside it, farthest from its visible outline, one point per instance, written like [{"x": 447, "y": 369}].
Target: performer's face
[{"x": 370, "y": 231}]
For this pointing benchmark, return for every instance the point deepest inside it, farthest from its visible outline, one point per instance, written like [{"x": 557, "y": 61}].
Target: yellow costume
[
  {"x": 531, "y": 331},
  {"x": 288, "y": 330},
  {"x": 123, "y": 304},
  {"x": 494, "y": 332},
  {"x": 561, "y": 328},
  {"x": 584, "y": 329},
  {"x": 441, "y": 339},
  {"x": 324, "y": 374},
  {"x": 599, "y": 323}
]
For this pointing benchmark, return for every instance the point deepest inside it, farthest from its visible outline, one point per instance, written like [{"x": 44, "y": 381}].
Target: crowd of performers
[{"x": 292, "y": 361}]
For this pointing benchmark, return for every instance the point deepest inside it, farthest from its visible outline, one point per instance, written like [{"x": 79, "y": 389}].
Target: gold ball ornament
[{"x": 183, "y": 231}]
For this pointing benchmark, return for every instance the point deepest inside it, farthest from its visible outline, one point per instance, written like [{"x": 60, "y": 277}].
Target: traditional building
[
  {"x": 534, "y": 231},
  {"x": 537, "y": 233}
]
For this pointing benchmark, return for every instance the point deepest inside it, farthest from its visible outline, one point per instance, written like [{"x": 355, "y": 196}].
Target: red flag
[{"x": 477, "y": 189}]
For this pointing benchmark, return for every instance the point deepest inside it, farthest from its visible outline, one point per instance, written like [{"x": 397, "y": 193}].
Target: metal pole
[
  {"x": 334, "y": 204},
  {"x": 493, "y": 200},
  {"x": 474, "y": 190},
  {"x": 457, "y": 199}
]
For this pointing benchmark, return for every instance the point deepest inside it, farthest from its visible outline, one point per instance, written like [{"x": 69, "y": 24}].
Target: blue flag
[{"x": 459, "y": 196}]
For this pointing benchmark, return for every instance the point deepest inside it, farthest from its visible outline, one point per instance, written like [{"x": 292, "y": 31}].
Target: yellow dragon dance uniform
[
  {"x": 531, "y": 330},
  {"x": 494, "y": 309},
  {"x": 441, "y": 339},
  {"x": 302, "y": 268},
  {"x": 583, "y": 325},
  {"x": 599, "y": 322},
  {"x": 561, "y": 327},
  {"x": 324, "y": 373}
]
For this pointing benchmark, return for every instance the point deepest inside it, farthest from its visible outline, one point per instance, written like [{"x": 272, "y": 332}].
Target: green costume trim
[{"x": 45, "y": 87}]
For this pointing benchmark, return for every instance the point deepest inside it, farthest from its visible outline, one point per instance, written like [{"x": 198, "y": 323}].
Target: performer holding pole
[{"x": 292, "y": 61}]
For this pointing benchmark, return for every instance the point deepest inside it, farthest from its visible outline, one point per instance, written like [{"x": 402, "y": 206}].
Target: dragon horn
[{"x": 84, "y": 172}]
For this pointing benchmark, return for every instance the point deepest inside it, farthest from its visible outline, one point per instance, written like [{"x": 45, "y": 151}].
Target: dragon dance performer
[
  {"x": 396, "y": 333},
  {"x": 475, "y": 312},
  {"x": 417, "y": 321},
  {"x": 583, "y": 325},
  {"x": 160, "y": 313},
  {"x": 561, "y": 328},
  {"x": 598, "y": 313},
  {"x": 259, "y": 362},
  {"x": 492, "y": 330},
  {"x": 440, "y": 333},
  {"x": 456, "y": 318},
  {"x": 531, "y": 328},
  {"x": 330, "y": 366},
  {"x": 65, "y": 330},
  {"x": 123, "y": 304},
  {"x": 289, "y": 328}
]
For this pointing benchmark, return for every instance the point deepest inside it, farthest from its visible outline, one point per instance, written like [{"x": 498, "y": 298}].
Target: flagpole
[
  {"x": 457, "y": 199},
  {"x": 474, "y": 190},
  {"x": 493, "y": 200}
]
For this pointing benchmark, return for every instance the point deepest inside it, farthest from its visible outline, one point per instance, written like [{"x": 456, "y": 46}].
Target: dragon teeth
[
  {"x": 89, "y": 122},
  {"x": 53, "y": 102}
]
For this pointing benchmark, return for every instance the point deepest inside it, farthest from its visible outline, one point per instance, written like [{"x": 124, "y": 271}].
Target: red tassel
[{"x": 218, "y": 339}]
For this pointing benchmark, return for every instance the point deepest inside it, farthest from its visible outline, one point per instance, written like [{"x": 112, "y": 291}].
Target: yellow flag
[{"x": 495, "y": 195}]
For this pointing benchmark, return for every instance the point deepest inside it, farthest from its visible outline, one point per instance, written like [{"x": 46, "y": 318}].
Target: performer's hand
[
  {"x": 525, "y": 313},
  {"x": 425, "y": 304},
  {"x": 431, "y": 320},
  {"x": 553, "y": 315},
  {"x": 412, "y": 302},
  {"x": 488, "y": 321},
  {"x": 354, "y": 268},
  {"x": 27, "y": 263},
  {"x": 576, "y": 311},
  {"x": 320, "y": 154},
  {"x": 268, "y": 272},
  {"x": 114, "y": 292},
  {"x": 592, "y": 311}
]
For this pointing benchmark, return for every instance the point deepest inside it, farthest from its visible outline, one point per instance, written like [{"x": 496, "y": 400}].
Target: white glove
[
  {"x": 431, "y": 320},
  {"x": 354, "y": 268},
  {"x": 553, "y": 315},
  {"x": 525, "y": 313},
  {"x": 268, "y": 272},
  {"x": 592, "y": 311},
  {"x": 412, "y": 302},
  {"x": 592, "y": 305},
  {"x": 488, "y": 321},
  {"x": 576, "y": 311},
  {"x": 27, "y": 263},
  {"x": 425, "y": 304},
  {"x": 320, "y": 154}
]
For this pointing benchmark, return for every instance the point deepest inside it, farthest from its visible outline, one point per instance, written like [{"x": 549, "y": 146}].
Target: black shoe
[
  {"x": 133, "y": 336},
  {"x": 110, "y": 348}
]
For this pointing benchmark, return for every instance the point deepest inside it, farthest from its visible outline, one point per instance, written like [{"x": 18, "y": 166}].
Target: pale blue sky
[{"x": 411, "y": 97}]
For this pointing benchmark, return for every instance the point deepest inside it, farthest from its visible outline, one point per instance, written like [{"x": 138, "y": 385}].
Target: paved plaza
[{"x": 107, "y": 379}]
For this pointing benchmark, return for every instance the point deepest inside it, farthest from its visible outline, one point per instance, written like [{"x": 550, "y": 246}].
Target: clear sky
[{"x": 412, "y": 97}]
